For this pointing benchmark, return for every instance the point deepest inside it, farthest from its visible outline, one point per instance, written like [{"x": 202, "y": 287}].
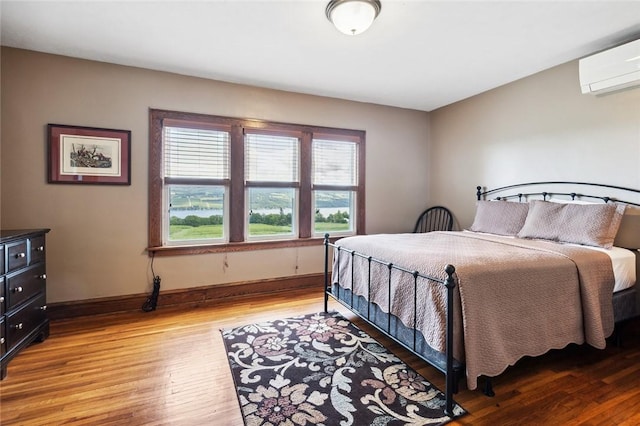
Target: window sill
[{"x": 234, "y": 247}]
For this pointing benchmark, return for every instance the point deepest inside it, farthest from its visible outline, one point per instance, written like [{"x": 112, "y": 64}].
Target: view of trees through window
[{"x": 196, "y": 212}]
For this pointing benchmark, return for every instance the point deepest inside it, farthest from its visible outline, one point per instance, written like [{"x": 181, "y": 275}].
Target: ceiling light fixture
[{"x": 353, "y": 17}]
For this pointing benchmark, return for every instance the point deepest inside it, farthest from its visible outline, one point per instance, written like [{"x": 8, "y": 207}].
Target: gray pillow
[
  {"x": 543, "y": 221},
  {"x": 628, "y": 235},
  {"x": 499, "y": 217},
  {"x": 586, "y": 224},
  {"x": 591, "y": 224}
]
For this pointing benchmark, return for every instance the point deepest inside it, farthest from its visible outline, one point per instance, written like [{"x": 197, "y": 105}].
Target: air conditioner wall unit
[{"x": 611, "y": 70}]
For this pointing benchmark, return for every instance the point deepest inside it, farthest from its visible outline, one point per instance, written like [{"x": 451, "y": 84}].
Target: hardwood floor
[{"x": 169, "y": 367}]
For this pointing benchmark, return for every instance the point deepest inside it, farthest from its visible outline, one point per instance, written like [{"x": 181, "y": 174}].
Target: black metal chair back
[{"x": 435, "y": 218}]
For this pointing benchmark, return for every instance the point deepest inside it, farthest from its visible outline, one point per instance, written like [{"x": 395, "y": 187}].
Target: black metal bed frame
[
  {"x": 453, "y": 371},
  {"x": 480, "y": 194}
]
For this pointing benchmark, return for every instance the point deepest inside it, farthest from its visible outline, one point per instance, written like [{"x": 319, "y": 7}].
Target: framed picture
[{"x": 89, "y": 155}]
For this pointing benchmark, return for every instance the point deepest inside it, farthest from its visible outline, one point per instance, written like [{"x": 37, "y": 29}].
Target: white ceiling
[{"x": 418, "y": 54}]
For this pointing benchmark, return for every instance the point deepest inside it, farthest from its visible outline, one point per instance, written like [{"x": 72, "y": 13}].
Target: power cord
[{"x": 152, "y": 301}]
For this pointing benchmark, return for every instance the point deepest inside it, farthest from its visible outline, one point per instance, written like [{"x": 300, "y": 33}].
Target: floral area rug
[{"x": 321, "y": 369}]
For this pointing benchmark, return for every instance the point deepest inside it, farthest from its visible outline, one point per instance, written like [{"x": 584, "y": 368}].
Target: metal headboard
[
  {"x": 629, "y": 231},
  {"x": 522, "y": 196}
]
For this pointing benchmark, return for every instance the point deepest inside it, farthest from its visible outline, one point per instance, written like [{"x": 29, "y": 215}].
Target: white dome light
[{"x": 353, "y": 17}]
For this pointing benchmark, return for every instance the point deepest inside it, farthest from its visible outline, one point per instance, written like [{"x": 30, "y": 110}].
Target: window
[
  {"x": 196, "y": 180},
  {"x": 335, "y": 184},
  {"x": 272, "y": 181},
  {"x": 219, "y": 183}
]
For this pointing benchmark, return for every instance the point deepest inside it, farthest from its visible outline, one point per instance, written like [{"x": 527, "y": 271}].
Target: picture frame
[{"x": 88, "y": 155}]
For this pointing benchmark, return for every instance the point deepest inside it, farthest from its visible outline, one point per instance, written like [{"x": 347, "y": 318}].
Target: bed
[{"x": 536, "y": 271}]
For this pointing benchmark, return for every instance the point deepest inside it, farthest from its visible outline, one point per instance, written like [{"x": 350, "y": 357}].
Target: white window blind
[
  {"x": 334, "y": 163},
  {"x": 196, "y": 153},
  {"x": 270, "y": 158}
]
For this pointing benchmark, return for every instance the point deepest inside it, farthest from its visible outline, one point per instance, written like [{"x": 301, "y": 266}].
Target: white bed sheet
[{"x": 624, "y": 266}]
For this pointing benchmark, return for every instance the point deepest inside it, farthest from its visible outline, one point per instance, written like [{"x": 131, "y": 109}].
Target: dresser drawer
[
  {"x": 16, "y": 255},
  {"x": 21, "y": 322},
  {"x": 2, "y": 270},
  {"x": 37, "y": 250},
  {"x": 24, "y": 285},
  {"x": 3, "y": 298},
  {"x": 3, "y": 339}
]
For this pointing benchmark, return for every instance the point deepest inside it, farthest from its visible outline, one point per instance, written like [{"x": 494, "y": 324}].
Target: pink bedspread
[{"x": 515, "y": 297}]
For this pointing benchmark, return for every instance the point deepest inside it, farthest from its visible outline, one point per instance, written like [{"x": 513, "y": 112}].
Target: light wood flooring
[{"x": 169, "y": 367}]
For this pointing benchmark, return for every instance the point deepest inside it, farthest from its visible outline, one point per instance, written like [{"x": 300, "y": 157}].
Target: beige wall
[
  {"x": 540, "y": 128},
  {"x": 99, "y": 233}
]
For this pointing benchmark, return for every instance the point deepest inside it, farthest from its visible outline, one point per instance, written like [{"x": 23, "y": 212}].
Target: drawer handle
[
  {"x": 43, "y": 308},
  {"x": 20, "y": 255},
  {"x": 1, "y": 340},
  {"x": 18, "y": 290},
  {"x": 40, "y": 248},
  {"x": 17, "y": 326},
  {"x": 1, "y": 299},
  {"x": 43, "y": 276}
]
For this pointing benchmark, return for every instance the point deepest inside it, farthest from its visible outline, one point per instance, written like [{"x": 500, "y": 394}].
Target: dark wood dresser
[{"x": 23, "y": 292}]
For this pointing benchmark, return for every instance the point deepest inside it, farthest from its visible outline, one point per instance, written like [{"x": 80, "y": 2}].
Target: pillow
[
  {"x": 616, "y": 221},
  {"x": 499, "y": 217},
  {"x": 586, "y": 224},
  {"x": 628, "y": 235},
  {"x": 543, "y": 221},
  {"x": 591, "y": 224}
]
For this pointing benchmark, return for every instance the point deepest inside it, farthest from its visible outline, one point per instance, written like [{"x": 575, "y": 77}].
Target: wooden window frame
[{"x": 237, "y": 185}]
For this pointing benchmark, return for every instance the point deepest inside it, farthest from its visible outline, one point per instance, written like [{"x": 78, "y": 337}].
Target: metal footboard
[{"x": 452, "y": 372}]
